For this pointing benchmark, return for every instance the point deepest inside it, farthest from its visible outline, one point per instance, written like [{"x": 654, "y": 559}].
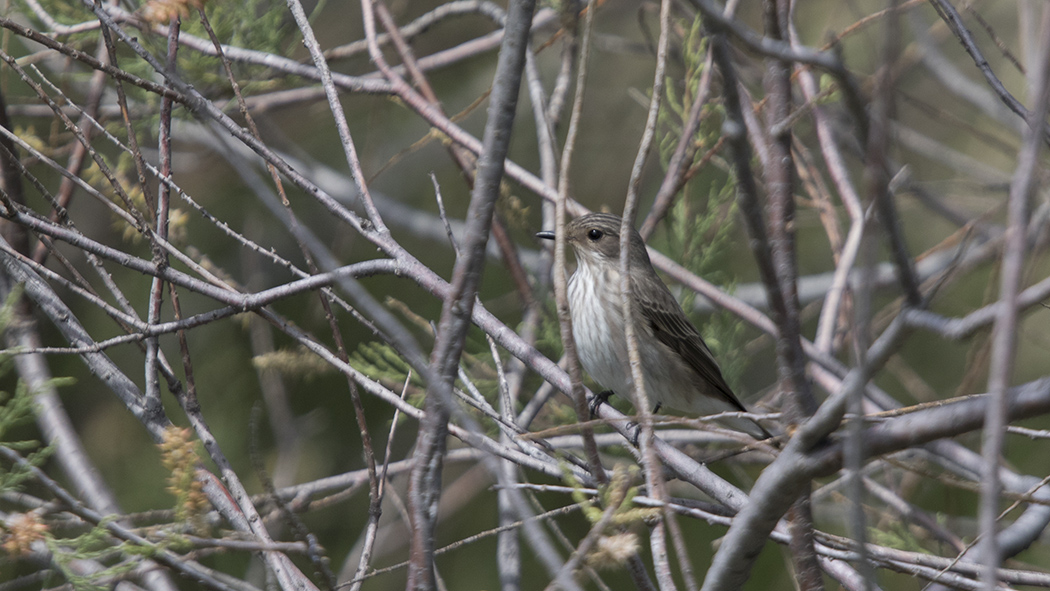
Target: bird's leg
[
  {"x": 634, "y": 431},
  {"x": 599, "y": 399},
  {"x": 635, "y": 428}
]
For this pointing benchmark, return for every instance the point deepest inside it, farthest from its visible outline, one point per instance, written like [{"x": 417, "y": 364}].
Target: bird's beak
[{"x": 546, "y": 235}]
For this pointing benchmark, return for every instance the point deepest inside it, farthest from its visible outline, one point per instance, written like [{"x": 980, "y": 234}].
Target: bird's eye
[{"x": 594, "y": 234}]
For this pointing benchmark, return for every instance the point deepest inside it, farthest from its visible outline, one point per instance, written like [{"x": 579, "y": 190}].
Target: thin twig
[
  {"x": 640, "y": 398},
  {"x": 561, "y": 289}
]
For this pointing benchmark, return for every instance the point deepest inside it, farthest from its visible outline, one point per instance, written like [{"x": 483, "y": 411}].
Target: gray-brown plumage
[{"x": 679, "y": 370}]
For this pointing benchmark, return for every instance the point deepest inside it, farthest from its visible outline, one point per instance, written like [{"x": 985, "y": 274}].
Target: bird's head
[{"x": 595, "y": 238}]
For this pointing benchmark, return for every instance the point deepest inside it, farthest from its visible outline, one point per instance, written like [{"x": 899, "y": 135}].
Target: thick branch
[{"x": 425, "y": 481}]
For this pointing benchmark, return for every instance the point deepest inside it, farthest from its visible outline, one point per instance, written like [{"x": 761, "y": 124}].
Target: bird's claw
[
  {"x": 599, "y": 399},
  {"x": 634, "y": 432}
]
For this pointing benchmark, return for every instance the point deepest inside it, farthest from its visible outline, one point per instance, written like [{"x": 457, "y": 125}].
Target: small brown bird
[{"x": 679, "y": 370}]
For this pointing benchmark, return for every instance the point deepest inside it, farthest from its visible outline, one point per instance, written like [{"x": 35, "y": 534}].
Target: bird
[{"x": 679, "y": 370}]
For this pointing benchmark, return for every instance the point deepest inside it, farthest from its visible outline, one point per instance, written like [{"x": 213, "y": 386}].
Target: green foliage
[
  {"x": 898, "y": 536},
  {"x": 66, "y": 13},
  {"x": 478, "y": 363},
  {"x": 701, "y": 233},
  {"x": 702, "y": 238},
  {"x": 829, "y": 90},
  {"x": 699, "y": 227},
  {"x": 512, "y": 210},
  {"x": 548, "y": 331},
  {"x": 382, "y": 363},
  {"x": 614, "y": 547},
  {"x": 298, "y": 362},
  {"x": 15, "y": 410},
  {"x": 680, "y": 94},
  {"x": 95, "y": 545},
  {"x": 18, "y": 409},
  {"x": 257, "y": 24},
  {"x": 22, "y": 531},
  {"x": 617, "y": 493}
]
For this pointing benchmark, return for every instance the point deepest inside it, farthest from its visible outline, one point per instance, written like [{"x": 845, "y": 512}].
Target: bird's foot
[
  {"x": 599, "y": 399},
  {"x": 634, "y": 432},
  {"x": 634, "y": 428}
]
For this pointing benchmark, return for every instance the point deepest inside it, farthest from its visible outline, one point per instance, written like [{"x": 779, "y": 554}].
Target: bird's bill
[{"x": 546, "y": 235}]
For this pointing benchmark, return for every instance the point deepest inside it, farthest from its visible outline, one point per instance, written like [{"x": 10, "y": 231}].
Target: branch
[
  {"x": 954, "y": 21},
  {"x": 1004, "y": 333},
  {"x": 425, "y": 481}
]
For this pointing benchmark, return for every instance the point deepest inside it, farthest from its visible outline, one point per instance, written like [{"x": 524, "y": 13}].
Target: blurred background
[{"x": 281, "y": 413}]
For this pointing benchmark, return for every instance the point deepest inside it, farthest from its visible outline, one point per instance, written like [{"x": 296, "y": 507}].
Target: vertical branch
[
  {"x": 791, "y": 360},
  {"x": 860, "y": 331},
  {"x": 508, "y": 546},
  {"x": 425, "y": 479},
  {"x": 839, "y": 173},
  {"x": 561, "y": 286},
  {"x": 789, "y": 348},
  {"x": 642, "y": 405},
  {"x": 371, "y": 534},
  {"x": 876, "y": 180},
  {"x": 723, "y": 573},
  {"x": 548, "y": 172},
  {"x": 877, "y": 165},
  {"x": 160, "y": 258},
  {"x": 780, "y": 186},
  {"x": 1004, "y": 333},
  {"x": 136, "y": 153}
]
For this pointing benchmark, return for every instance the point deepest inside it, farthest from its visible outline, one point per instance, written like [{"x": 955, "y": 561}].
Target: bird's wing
[{"x": 672, "y": 328}]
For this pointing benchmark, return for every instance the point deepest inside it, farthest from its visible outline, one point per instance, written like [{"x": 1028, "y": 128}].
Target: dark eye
[{"x": 595, "y": 234}]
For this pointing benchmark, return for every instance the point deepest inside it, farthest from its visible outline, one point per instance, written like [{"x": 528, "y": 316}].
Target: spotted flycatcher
[{"x": 679, "y": 370}]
